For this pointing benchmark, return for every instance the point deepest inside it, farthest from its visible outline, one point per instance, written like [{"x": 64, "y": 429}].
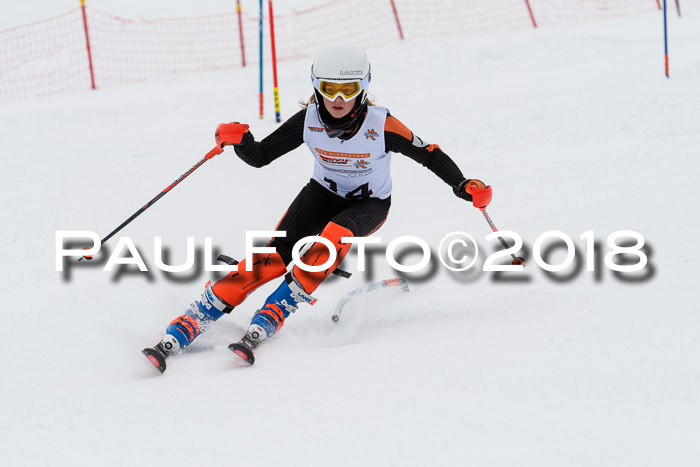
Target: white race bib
[{"x": 354, "y": 168}]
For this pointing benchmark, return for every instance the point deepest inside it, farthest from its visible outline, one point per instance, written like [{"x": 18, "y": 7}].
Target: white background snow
[{"x": 576, "y": 128}]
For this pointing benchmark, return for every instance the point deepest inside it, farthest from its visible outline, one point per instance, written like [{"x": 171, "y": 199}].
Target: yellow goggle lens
[{"x": 349, "y": 89}]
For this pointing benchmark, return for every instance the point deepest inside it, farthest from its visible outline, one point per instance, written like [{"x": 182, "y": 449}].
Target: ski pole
[
  {"x": 217, "y": 150},
  {"x": 516, "y": 259},
  {"x": 481, "y": 197}
]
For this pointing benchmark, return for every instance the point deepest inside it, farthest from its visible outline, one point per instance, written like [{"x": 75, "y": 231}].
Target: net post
[
  {"x": 240, "y": 32},
  {"x": 532, "y": 16},
  {"x": 87, "y": 43},
  {"x": 396, "y": 17}
]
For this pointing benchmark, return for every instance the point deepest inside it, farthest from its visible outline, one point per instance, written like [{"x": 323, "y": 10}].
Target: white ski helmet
[{"x": 341, "y": 70}]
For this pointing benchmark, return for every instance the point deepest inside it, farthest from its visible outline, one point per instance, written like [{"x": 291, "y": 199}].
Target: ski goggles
[{"x": 346, "y": 89}]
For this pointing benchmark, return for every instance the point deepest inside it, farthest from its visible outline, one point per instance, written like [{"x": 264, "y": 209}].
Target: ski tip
[
  {"x": 242, "y": 351},
  {"x": 156, "y": 358}
]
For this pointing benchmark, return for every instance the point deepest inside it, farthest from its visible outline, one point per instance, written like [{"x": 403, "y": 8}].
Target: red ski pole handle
[
  {"x": 230, "y": 133},
  {"x": 481, "y": 194}
]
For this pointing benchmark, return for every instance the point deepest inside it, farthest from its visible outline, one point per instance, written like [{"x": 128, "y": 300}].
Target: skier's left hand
[{"x": 474, "y": 190}]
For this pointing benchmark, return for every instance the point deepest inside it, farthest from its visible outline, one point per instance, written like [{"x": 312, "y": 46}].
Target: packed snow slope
[{"x": 577, "y": 129}]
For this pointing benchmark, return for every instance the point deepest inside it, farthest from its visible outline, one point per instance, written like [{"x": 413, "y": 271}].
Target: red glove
[
  {"x": 475, "y": 191},
  {"x": 230, "y": 134}
]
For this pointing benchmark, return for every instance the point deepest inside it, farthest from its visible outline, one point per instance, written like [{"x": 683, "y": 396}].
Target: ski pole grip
[
  {"x": 230, "y": 133},
  {"x": 481, "y": 196}
]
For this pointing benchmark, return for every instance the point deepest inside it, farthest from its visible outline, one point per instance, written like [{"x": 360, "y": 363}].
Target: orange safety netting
[{"x": 50, "y": 56}]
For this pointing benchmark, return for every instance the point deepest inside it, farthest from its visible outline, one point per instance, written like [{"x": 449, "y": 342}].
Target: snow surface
[{"x": 576, "y": 128}]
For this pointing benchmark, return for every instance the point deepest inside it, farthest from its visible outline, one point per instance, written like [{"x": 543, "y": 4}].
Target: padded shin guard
[
  {"x": 237, "y": 285},
  {"x": 318, "y": 254}
]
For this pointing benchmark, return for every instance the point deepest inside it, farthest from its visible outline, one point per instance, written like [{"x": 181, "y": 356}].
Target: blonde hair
[{"x": 312, "y": 100}]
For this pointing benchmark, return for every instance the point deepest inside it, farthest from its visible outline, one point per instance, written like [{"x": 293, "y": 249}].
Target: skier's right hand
[{"x": 232, "y": 134}]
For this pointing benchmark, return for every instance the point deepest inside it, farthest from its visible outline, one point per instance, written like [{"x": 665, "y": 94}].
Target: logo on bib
[
  {"x": 361, "y": 164},
  {"x": 371, "y": 134},
  {"x": 333, "y": 160},
  {"x": 317, "y": 129}
]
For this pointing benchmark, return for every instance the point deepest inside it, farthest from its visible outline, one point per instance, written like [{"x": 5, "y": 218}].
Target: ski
[
  {"x": 395, "y": 282},
  {"x": 245, "y": 347}
]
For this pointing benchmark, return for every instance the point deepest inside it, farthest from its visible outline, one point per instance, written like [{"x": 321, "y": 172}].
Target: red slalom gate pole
[
  {"x": 87, "y": 42},
  {"x": 240, "y": 31},
  {"x": 532, "y": 17},
  {"x": 275, "y": 89},
  {"x": 396, "y": 16},
  {"x": 260, "y": 23},
  {"x": 658, "y": 3}
]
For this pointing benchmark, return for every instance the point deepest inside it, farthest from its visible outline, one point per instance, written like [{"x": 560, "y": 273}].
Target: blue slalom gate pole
[
  {"x": 665, "y": 41},
  {"x": 261, "y": 57}
]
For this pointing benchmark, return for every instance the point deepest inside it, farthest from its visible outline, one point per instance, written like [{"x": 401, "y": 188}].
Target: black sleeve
[
  {"x": 284, "y": 139},
  {"x": 400, "y": 139}
]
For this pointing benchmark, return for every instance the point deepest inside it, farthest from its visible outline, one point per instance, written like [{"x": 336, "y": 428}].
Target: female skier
[{"x": 349, "y": 195}]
